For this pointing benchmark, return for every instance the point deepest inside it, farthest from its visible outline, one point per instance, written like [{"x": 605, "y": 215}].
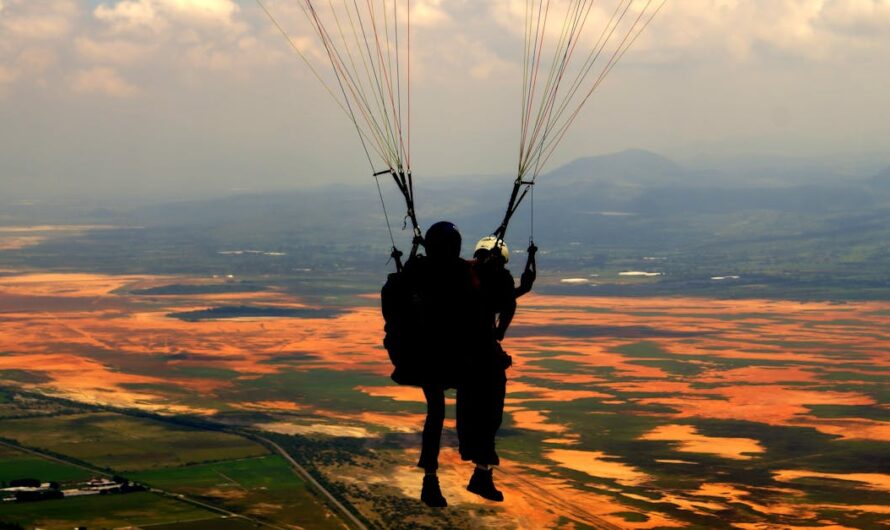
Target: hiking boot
[
  {"x": 431, "y": 495},
  {"x": 482, "y": 484}
]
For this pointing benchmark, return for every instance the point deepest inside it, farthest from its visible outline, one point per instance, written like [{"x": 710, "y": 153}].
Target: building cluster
[{"x": 31, "y": 489}]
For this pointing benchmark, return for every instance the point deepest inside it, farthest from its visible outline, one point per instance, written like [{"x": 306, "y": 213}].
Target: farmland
[
  {"x": 263, "y": 486},
  {"x": 632, "y": 412},
  {"x": 103, "y": 511},
  {"x": 113, "y": 441}
]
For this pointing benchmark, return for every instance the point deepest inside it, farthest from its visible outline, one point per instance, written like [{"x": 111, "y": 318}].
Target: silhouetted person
[
  {"x": 480, "y": 398},
  {"x": 441, "y": 325}
]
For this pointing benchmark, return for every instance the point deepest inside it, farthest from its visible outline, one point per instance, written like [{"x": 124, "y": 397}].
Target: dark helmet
[{"x": 442, "y": 240}]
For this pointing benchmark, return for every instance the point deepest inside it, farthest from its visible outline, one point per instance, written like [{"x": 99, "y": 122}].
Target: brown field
[
  {"x": 18, "y": 237},
  {"x": 673, "y": 376}
]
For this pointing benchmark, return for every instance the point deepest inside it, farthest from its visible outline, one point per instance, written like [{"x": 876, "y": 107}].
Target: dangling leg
[
  {"x": 465, "y": 422},
  {"x": 490, "y": 410},
  {"x": 432, "y": 439}
]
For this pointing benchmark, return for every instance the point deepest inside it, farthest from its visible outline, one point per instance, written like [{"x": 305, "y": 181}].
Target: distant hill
[
  {"x": 601, "y": 212},
  {"x": 635, "y": 166}
]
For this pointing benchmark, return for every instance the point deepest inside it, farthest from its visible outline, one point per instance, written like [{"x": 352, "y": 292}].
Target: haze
[{"x": 172, "y": 97}]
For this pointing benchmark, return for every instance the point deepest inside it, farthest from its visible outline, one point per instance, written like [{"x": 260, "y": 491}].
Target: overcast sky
[{"x": 157, "y": 94}]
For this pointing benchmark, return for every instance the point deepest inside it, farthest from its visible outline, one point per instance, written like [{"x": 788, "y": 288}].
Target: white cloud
[
  {"x": 209, "y": 11},
  {"x": 113, "y": 51},
  {"x": 744, "y": 30},
  {"x": 131, "y": 16},
  {"x": 857, "y": 18},
  {"x": 157, "y": 16},
  {"x": 178, "y": 34},
  {"x": 7, "y": 75},
  {"x": 104, "y": 81},
  {"x": 32, "y": 37},
  {"x": 736, "y": 30},
  {"x": 428, "y": 13},
  {"x": 477, "y": 59},
  {"x": 36, "y": 61},
  {"x": 49, "y": 20}
]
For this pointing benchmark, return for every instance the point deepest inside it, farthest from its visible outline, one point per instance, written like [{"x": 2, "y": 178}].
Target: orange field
[{"x": 685, "y": 373}]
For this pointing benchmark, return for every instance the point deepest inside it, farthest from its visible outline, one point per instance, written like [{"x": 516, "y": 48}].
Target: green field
[
  {"x": 18, "y": 464},
  {"x": 223, "y": 523},
  {"x": 102, "y": 511},
  {"x": 265, "y": 486},
  {"x": 242, "y": 311},
  {"x": 220, "y": 469},
  {"x": 125, "y": 443}
]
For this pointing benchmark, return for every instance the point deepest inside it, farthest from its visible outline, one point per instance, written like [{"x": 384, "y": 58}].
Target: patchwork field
[
  {"x": 103, "y": 511},
  {"x": 122, "y": 443},
  {"x": 621, "y": 413},
  {"x": 264, "y": 486},
  {"x": 197, "y": 478}
]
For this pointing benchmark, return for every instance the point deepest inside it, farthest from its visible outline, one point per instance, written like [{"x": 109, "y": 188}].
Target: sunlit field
[{"x": 631, "y": 413}]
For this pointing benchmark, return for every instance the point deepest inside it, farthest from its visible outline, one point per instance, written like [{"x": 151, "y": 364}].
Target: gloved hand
[{"x": 530, "y": 274}]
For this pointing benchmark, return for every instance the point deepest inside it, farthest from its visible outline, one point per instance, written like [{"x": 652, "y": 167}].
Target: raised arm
[{"x": 527, "y": 280}]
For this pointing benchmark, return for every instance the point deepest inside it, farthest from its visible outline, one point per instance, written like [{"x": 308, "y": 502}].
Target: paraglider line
[{"x": 385, "y": 212}]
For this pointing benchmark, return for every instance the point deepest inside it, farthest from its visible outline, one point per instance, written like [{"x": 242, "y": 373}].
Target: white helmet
[{"x": 490, "y": 243}]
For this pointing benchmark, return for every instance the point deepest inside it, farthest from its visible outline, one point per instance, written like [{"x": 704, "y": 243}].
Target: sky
[{"x": 146, "y": 96}]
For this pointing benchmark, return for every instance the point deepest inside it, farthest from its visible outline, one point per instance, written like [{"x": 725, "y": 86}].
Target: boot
[
  {"x": 482, "y": 484},
  {"x": 431, "y": 495}
]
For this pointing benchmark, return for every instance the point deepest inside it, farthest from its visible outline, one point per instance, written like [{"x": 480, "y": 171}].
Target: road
[{"x": 311, "y": 480}]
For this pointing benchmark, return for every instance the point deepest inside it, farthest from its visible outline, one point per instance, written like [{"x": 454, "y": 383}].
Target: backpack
[
  {"x": 431, "y": 330},
  {"x": 402, "y": 314}
]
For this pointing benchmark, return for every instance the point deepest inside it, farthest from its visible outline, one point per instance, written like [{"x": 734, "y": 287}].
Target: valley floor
[{"x": 621, "y": 413}]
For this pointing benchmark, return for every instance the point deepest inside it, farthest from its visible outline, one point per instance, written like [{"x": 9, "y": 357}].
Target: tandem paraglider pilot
[{"x": 442, "y": 333}]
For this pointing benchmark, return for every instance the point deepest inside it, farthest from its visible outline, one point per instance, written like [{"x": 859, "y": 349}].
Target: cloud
[
  {"x": 131, "y": 16},
  {"x": 746, "y": 30},
  {"x": 429, "y": 13},
  {"x": 32, "y": 37},
  {"x": 706, "y": 69},
  {"x": 177, "y": 35},
  {"x": 856, "y": 18},
  {"x": 37, "y": 61},
  {"x": 475, "y": 58},
  {"x": 103, "y": 81},
  {"x": 735, "y": 30},
  {"x": 7, "y": 75},
  {"x": 49, "y": 20},
  {"x": 157, "y": 16},
  {"x": 113, "y": 51}
]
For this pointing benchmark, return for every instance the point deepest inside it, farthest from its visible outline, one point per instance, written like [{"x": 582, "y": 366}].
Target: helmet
[
  {"x": 442, "y": 240},
  {"x": 490, "y": 243}
]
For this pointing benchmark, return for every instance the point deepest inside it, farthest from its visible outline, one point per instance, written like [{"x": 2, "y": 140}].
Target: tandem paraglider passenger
[
  {"x": 480, "y": 397},
  {"x": 434, "y": 326}
]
